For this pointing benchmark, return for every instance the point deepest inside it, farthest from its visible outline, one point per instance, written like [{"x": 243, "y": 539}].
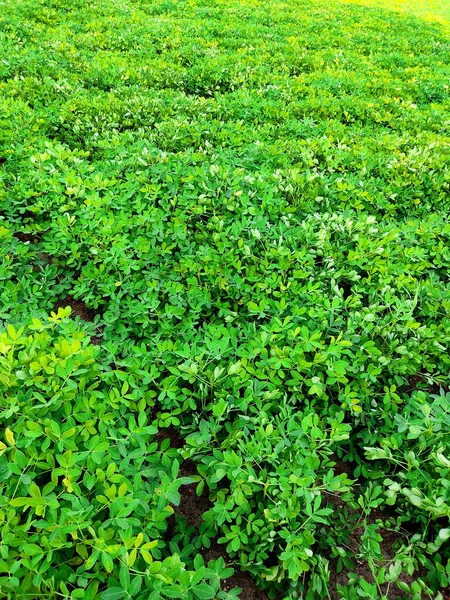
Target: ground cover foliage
[{"x": 246, "y": 206}]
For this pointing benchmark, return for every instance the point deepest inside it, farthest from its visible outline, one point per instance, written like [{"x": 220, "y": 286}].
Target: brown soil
[
  {"x": 391, "y": 540},
  {"x": 176, "y": 441},
  {"x": 26, "y": 238},
  {"x": 433, "y": 388},
  {"x": 361, "y": 568},
  {"x": 243, "y": 580},
  {"x": 240, "y": 579},
  {"x": 342, "y": 467},
  {"x": 192, "y": 507},
  {"x": 79, "y": 309}
]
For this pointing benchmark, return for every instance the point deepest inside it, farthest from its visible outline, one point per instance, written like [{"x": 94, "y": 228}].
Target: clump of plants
[
  {"x": 246, "y": 206},
  {"x": 86, "y": 490}
]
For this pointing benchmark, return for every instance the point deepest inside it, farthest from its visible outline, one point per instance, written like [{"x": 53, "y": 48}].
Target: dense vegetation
[{"x": 246, "y": 204}]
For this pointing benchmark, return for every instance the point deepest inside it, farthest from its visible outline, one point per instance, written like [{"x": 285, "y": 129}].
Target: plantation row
[{"x": 246, "y": 206}]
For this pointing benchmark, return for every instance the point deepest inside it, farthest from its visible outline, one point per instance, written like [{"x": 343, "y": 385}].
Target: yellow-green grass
[{"x": 430, "y": 10}]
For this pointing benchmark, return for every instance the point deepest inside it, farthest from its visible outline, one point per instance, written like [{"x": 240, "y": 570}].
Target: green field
[
  {"x": 245, "y": 204},
  {"x": 437, "y": 11}
]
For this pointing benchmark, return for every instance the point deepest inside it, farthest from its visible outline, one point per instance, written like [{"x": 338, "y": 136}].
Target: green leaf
[
  {"x": 235, "y": 368},
  {"x": 92, "y": 560},
  {"x": 444, "y": 534},
  {"x": 135, "y": 586},
  {"x": 113, "y": 593},
  {"x": 124, "y": 577},
  {"x": 203, "y": 591},
  {"x": 171, "y": 591},
  {"x": 107, "y": 562},
  {"x": 32, "y": 549}
]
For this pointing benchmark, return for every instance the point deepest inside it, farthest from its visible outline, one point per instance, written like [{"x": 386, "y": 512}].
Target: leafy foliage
[
  {"x": 83, "y": 483},
  {"x": 250, "y": 200}
]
